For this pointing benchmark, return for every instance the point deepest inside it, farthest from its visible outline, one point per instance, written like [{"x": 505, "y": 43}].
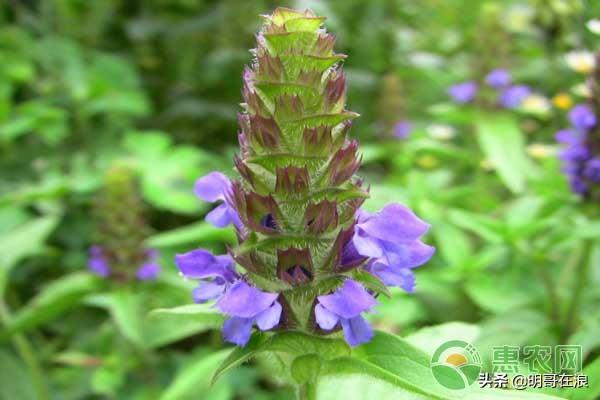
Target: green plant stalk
[
  {"x": 26, "y": 353},
  {"x": 582, "y": 273},
  {"x": 306, "y": 391}
]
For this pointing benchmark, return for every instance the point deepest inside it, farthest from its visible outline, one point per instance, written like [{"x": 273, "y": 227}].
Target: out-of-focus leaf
[
  {"x": 126, "y": 310},
  {"x": 192, "y": 380},
  {"x": 54, "y": 300},
  {"x": 197, "y": 232},
  {"x": 487, "y": 227},
  {"x": 22, "y": 241},
  {"x": 430, "y": 338},
  {"x": 502, "y": 142},
  {"x": 15, "y": 382},
  {"x": 592, "y": 392}
]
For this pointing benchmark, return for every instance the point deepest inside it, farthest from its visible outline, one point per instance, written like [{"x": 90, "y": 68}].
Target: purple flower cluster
[
  {"x": 99, "y": 264},
  {"x": 499, "y": 79},
  {"x": 402, "y": 129},
  {"x": 387, "y": 244},
  {"x": 580, "y": 156}
]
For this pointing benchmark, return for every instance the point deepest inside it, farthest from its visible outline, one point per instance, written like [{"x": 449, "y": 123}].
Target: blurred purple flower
[
  {"x": 150, "y": 269},
  {"x": 402, "y": 129},
  {"x": 463, "y": 92},
  {"x": 582, "y": 117},
  {"x": 246, "y": 305},
  {"x": 216, "y": 273},
  {"x": 513, "y": 96},
  {"x": 569, "y": 136},
  {"x": 97, "y": 262},
  {"x": 498, "y": 78},
  {"x": 344, "y": 306},
  {"x": 592, "y": 169},
  {"x": 391, "y": 239},
  {"x": 212, "y": 187}
]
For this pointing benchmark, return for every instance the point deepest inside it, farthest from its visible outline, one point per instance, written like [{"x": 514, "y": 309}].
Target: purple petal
[
  {"x": 325, "y": 319},
  {"x": 569, "y": 136},
  {"x": 148, "y": 271},
  {"x": 206, "y": 291},
  {"x": 220, "y": 216},
  {"x": 349, "y": 300},
  {"x": 357, "y": 330},
  {"x": 400, "y": 277},
  {"x": 408, "y": 255},
  {"x": 592, "y": 170},
  {"x": 394, "y": 222},
  {"x": 97, "y": 263},
  {"x": 365, "y": 245},
  {"x": 237, "y": 330},
  {"x": 212, "y": 187},
  {"x": 513, "y": 96},
  {"x": 463, "y": 92},
  {"x": 582, "y": 117},
  {"x": 200, "y": 264},
  {"x": 402, "y": 129},
  {"x": 498, "y": 78},
  {"x": 269, "y": 318},
  {"x": 243, "y": 300}
]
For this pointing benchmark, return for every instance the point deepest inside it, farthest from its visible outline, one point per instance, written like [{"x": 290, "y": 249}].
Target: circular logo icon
[{"x": 456, "y": 364}]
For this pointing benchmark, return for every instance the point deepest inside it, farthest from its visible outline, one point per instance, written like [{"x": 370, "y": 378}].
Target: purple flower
[
  {"x": 578, "y": 185},
  {"x": 402, "y": 129},
  {"x": 592, "y": 169},
  {"x": 216, "y": 273},
  {"x": 569, "y": 136},
  {"x": 513, "y": 96},
  {"x": 463, "y": 92},
  {"x": 582, "y": 117},
  {"x": 390, "y": 238},
  {"x": 212, "y": 188},
  {"x": 246, "y": 305},
  {"x": 150, "y": 269},
  {"x": 97, "y": 262},
  {"x": 345, "y": 306},
  {"x": 498, "y": 78},
  {"x": 574, "y": 153}
]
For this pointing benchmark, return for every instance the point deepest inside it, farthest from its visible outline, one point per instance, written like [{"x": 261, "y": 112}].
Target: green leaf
[
  {"x": 430, "y": 338},
  {"x": 54, "y": 300},
  {"x": 592, "y": 392},
  {"x": 487, "y": 227},
  {"x": 15, "y": 382},
  {"x": 167, "y": 325},
  {"x": 126, "y": 310},
  {"x": 290, "y": 343},
  {"x": 198, "y": 232},
  {"x": 192, "y": 380},
  {"x": 306, "y": 368},
  {"x": 502, "y": 142},
  {"x": 22, "y": 241}
]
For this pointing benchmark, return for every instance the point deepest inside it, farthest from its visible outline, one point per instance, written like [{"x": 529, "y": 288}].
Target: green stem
[
  {"x": 581, "y": 280},
  {"x": 306, "y": 391},
  {"x": 27, "y": 355}
]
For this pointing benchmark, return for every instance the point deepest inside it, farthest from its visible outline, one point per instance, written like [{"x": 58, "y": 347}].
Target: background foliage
[{"x": 156, "y": 84}]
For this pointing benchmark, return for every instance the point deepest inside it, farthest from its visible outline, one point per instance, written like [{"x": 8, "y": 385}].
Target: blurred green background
[{"x": 156, "y": 84}]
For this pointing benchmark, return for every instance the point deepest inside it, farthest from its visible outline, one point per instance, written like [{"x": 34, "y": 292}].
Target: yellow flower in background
[
  {"x": 427, "y": 161},
  {"x": 536, "y": 104},
  {"x": 562, "y": 101},
  {"x": 581, "y": 61},
  {"x": 541, "y": 150}
]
